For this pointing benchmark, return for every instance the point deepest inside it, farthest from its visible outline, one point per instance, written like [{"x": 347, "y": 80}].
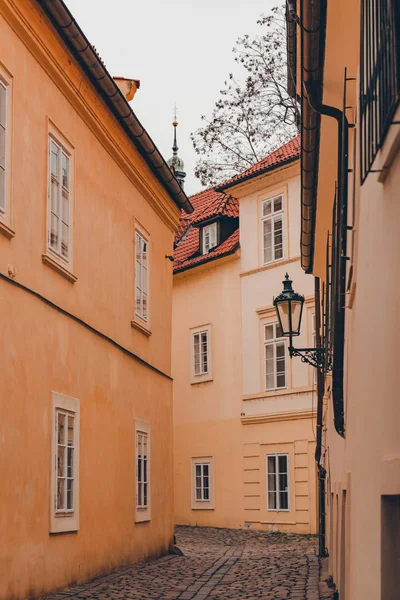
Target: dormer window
[{"x": 209, "y": 237}]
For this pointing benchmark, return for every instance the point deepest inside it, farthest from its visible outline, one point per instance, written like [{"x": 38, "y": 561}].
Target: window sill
[
  {"x": 201, "y": 379},
  {"x": 60, "y": 523},
  {"x": 6, "y": 230},
  {"x": 56, "y": 266},
  {"x": 203, "y": 508},
  {"x": 142, "y": 517},
  {"x": 140, "y": 326}
]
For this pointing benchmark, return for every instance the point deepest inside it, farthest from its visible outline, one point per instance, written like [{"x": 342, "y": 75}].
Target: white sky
[{"x": 180, "y": 50}]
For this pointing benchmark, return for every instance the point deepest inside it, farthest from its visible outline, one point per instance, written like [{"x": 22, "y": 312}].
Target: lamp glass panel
[
  {"x": 296, "y": 315},
  {"x": 283, "y": 314}
]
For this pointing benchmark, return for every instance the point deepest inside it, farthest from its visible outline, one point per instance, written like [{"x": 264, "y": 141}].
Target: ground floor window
[
  {"x": 142, "y": 469},
  {"x": 278, "y": 481},
  {"x": 202, "y": 482},
  {"x": 65, "y": 464}
]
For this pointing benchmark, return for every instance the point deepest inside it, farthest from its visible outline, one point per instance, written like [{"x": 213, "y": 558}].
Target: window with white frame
[
  {"x": 278, "y": 481},
  {"x": 59, "y": 220},
  {"x": 142, "y": 474},
  {"x": 272, "y": 229},
  {"x": 141, "y": 277},
  {"x": 65, "y": 464},
  {"x": 209, "y": 240},
  {"x": 142, "y": 468},
  {"x": 3, "y": 140},
  {"x": 275, "y": 357},
  {"x": 202, "y": 481},
  {"x": 201, "y": 352}
]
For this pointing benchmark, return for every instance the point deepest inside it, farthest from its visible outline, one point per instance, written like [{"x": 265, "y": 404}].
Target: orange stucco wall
[{"x": 44, "y": 351}]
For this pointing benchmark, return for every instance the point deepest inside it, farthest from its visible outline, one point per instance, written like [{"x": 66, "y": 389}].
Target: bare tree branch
[{"x": 252, "y": 118}]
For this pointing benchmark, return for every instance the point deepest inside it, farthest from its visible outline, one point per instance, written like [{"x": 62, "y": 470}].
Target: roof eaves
[
  {"x": 92, "y": 65},
  {"x": 208, "y": 259},
  {"x": 255, "y": 174}
]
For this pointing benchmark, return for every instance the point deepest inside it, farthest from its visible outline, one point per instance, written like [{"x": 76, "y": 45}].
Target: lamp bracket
[{"x": 313, "y": 356}]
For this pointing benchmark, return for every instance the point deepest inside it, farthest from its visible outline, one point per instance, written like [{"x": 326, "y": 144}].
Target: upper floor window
[
  {"x": 59, "y": 200},
  {"x": 209, "y": 239},
  {"x": 275, "y": 357},
  {"x": 200, "y": 352},
  {"x": 141, "y": 277},
  {"x": 278, "y": 481},
  {"x": 379, "y": 75},
  {"x": 272, "y": 228},
  {"x": 3, "y": 136},
  {"x": 65, "y": 471}
]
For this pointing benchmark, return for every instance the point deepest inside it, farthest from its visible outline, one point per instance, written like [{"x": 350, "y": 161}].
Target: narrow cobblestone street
[{"x": 218, "y": 564}]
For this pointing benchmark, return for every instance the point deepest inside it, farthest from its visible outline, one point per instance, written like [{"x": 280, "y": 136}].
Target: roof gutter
[
  {"x": 84, "y": 53},
  {"x": 313, "y": 27},
  {"x": 240, "y": 180}
]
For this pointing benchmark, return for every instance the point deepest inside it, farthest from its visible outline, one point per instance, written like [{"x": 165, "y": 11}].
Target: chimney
[{"x": 127, "y": 86}]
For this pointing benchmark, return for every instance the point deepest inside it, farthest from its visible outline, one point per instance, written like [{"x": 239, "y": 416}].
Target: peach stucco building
[
  {"x": 88, "y": 211},
  {"x": 243, "y": 412},
  {"x": 347, "y": 72}
]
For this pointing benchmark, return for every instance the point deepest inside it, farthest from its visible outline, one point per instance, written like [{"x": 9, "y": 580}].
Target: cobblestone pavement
[{"x": 218, "y": 564}]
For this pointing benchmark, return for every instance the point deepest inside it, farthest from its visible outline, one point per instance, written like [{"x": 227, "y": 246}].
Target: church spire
[{"x": 175, "y": 163}]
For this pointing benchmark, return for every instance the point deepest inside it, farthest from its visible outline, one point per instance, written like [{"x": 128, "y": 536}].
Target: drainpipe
[
  {"x": 318, "y": 449},
  {"x": 313, "y": 97}
]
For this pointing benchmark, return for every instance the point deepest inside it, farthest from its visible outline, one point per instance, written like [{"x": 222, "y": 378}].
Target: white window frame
[
  {"x": 63, "y": 191},
  {"x": 205, "y": 374},
  {"x": 274, "y": 342},
  {"x": 6, "y": 82},
  {"x": 277, "y": 490},
  {"x": 272, "y": 218},
  {"x": 141, "y": 275},
  {"x": 142, "y": 510},
  {"x": 203, "y": 503},
  {"x": 209, "y": 237},
  {"x": 3, "y": 166},
  {"x": 62, "y": 520}
]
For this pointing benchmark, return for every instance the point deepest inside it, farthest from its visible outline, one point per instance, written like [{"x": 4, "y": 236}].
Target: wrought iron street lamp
[{"x": 289, "y": 308}]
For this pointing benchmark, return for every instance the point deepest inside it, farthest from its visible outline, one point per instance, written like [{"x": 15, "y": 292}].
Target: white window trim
[
  {"x": 139, "y": 319},
  {"x": 212, "y": 230},
  {"x": 207, "y": 376},
  {"x": 62, "y": 265},
  {"x": 6, "y": 228},
  {"x": 273, "y": 343},
  {"x": 202, "y": 504},
  {"x": 61, "y": 522},
  {"x": 276, "y": 455},
  {"x": 143, "y": 513},
  {"x": 272, "y": 217}
]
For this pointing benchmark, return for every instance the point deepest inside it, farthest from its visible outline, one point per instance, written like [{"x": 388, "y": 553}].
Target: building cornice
[
  {"x": 67, "y": 76},
  {"x": 278, "y": 417},
  {"x": 273, "y": 265}
]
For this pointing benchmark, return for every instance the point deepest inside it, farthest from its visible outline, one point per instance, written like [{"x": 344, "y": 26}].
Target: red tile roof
[
  {"x": 207, "y": 204},
  {"x": 286, "y": 153},
  {"x": 213, "y": 202},
  {"x": 191, "y": 244}
]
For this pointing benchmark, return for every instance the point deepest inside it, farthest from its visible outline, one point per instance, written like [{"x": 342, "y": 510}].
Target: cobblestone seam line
[{"x": 204, "y": 585}]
